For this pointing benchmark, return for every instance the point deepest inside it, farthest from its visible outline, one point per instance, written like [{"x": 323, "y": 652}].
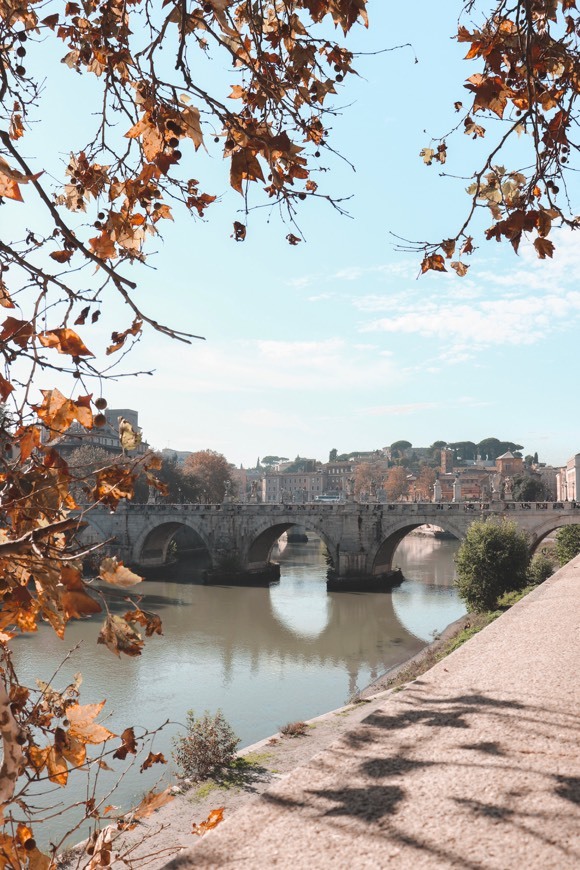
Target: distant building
[
  {"x": 568, "y": 480},
  {"x": 299, "y": 486},
  {"x": 507, "y": 464},
  {"x": 177, "y": 456}
]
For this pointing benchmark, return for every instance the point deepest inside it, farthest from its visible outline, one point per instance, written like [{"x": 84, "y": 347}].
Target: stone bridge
[{"x": 361, "y": 539}]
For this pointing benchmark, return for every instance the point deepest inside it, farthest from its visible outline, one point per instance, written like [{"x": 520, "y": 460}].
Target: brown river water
[{"x": 264, "y": 656}]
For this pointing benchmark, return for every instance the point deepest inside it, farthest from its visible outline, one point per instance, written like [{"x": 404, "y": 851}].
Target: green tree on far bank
[
  {"x": 493, "y": 559},
  {"x": 528, "y": 488},
  {"x": 567, "y": 543}
]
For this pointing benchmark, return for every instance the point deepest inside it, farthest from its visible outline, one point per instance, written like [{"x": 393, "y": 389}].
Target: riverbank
[
  {"x": 473, "y": 765},
  {"x": 262, "y": 765}
]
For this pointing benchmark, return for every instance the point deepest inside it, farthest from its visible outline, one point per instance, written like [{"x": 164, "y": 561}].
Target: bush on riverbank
[
  {"x": 208, "y": 746},
  {"x": 492, "y": 559},
  {"x": 567, "y": 543},
  {"x": 541, "y": 567}
]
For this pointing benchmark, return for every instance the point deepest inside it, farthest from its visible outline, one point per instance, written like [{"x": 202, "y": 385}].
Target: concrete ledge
[{"x": 473, "y": 765}]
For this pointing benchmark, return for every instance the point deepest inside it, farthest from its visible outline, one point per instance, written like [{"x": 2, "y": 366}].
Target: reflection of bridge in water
[
  {"x": 359, "y": 630},
  {"x": 361, "y": 539}
]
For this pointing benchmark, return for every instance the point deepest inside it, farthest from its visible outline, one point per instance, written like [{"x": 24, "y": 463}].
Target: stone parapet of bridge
[{"x": 361, "y": 538}]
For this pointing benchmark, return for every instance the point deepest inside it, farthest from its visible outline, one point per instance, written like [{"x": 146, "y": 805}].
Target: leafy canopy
[
  {"x": 567, "y": 543},
  {"x": 493, "y": 559}
]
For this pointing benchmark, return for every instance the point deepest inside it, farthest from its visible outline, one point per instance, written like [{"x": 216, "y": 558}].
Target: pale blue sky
[{"x": 334, "y": 343}]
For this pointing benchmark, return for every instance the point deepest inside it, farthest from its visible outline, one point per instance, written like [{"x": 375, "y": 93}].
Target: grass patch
[
  {"x": 253, "y": 758},
  {"x": 476, "y": 623},
  {"x": 203, "y": 790}
]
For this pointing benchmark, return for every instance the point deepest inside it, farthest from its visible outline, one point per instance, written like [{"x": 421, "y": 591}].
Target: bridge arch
[
  {"x": 152, "y": 545},
  {"x": 381, "y": 560},
  {"x": 265, "y": 535},
  {"x": 92, "y": 533},
  {"x": 541, "y": 531}
]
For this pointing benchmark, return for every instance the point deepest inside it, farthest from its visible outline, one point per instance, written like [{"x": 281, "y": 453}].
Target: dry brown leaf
[
  {"x": 151, "y": 802},
  {"x": 214, "y": 818},
  {"x": 113, "y": 571}
]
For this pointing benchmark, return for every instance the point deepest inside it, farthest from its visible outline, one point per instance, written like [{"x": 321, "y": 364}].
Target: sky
[{"x": 336, "y": 342}]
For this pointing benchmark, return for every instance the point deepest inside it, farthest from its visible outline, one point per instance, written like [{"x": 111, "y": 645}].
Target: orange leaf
[
  {"x": 5, "y": 300},
  {"x": 114, "y": 572},
  {"x": 5, "y": 388},
  {"x": 157, "y": 758},
  {"x": 65, "y": 340},
  {"x": 103, "y": 246},
  {"x": 119, "y": 338},
  {"x": 58, "y": 412},
  {"x": 28, "y": 438},
  {"x": 244, "y": 166},
  {"x": 128, "y": 745},
  {"x": 82, "y": 724},
  {"x": 57, "y": 767},
  {"x": 435, "y": 262},
  {"x": 215, "y": 817},
  {"x": 38, "y": 757},
  {"x": 119, "y": 637},
  {"x": 18, "y": 331},
  {"x": 150, "y": 621},
  {"x": 151, "y": 802},
  {"x": 79, "y": 603},
  {"x": 61, "y": 256},
  {"x": 544, "y": 247}
]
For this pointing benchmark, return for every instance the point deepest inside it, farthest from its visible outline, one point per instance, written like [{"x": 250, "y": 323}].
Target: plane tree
[{"x": 80, "y": 217}]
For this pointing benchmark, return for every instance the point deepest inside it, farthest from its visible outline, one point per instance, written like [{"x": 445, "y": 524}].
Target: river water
[{"x": 264, "y": 656}]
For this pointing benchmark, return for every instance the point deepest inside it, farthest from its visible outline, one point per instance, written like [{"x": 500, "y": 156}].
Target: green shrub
[
  {"x": 541, "y": 567},
  {"x": 208, "y": 746},
  {"x": 567, "y": 543},
  {"x": 492, "y": 559}
]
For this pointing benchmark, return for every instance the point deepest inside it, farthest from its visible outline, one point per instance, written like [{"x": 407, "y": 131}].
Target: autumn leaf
[
  {"x": 119, "y": 637},
  {"x": 114, "y": 572},
  {"x": 128, "y": 437},
  {"x": 151, "y": 802},
  {"x": 58, "y": 412},
  {"x": 82, "y": 725},
  {"x": 544, "y": 247},
  {"x": 18, "y": 331},
  {"x": 460, "y": 268},
  {"x": 5, "y": 388},
  {"x": 112, "y": 484},
  {"x": 119, "y": 338},
  {"x": 103, "y": 246},
  {"x": 150, "y": 621},
  {"x": 75, "y": 600},
  {"x": 61, "y": 256},
  {"x": 448, "y": 246},
  {"x": 214, "y": 818},
  {"x": 128, "y": 745},
  {"x": 433, "y": 261},
  {"x": 190, "y": 121},
  {"x": 157, "y": 758},
  {"x": 57, "y": 767},
  {"x": 66, "y": 341},
  {"x": 244, "y": 167},
  {"x": 5, "y": 300},
  {"x": 239, "y": 233},
  {"x": 11, "y": 178}
]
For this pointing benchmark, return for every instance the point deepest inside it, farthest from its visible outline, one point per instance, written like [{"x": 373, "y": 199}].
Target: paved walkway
[{"x": 474, "y": 765}]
